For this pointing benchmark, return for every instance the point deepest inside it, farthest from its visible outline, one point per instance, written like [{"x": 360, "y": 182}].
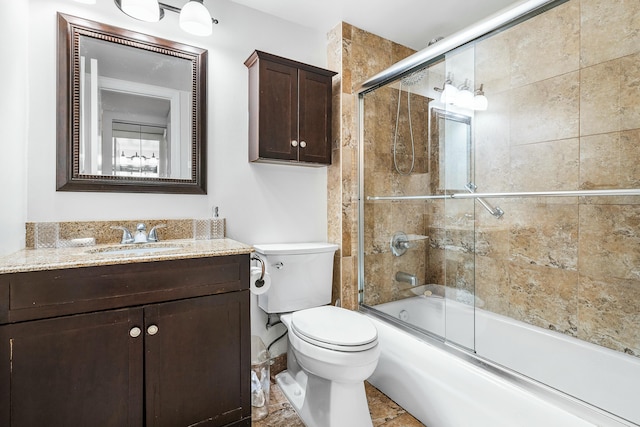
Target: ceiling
[{"x": 409, "y": 22}]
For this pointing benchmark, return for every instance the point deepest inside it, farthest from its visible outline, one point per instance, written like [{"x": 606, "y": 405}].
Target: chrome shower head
[{"x": 413, "y": 78}]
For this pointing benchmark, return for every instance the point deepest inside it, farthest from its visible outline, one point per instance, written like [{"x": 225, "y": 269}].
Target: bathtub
[{"x": 444, "y": 386}]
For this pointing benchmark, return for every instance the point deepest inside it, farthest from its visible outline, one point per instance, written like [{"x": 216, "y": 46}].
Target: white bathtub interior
[{"x": 604, "y": 378}]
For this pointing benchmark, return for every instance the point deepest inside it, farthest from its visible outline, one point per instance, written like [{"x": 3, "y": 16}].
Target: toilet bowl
[{"x": 331, "y": 352}]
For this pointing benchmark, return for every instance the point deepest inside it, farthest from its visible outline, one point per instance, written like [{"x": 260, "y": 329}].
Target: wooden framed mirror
[{"x": 132, "y": 111}]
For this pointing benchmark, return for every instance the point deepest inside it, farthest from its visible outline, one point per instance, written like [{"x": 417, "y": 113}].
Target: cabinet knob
[
  {"x": 294, "y": 143},
  {"x": 135, "y": 332},
  {"x": 303, "y": 144},
  {"x": 152, "y": 330}
]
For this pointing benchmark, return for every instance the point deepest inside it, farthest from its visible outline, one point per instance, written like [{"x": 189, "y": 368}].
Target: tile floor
[{"x": 384, "y": 411}]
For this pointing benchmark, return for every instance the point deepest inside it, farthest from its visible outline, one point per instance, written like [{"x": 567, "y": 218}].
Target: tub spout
[{"x": 411, "y": 279}]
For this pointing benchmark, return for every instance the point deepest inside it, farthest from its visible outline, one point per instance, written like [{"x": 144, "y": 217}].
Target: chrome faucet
[
  {"x": 141, "y": 235},
  {"x": 126, "y": 234},
  {"x": 411, "y": 279}
]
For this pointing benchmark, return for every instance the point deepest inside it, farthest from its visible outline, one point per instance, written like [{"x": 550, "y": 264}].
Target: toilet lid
[{"x": 334, "y": 328}]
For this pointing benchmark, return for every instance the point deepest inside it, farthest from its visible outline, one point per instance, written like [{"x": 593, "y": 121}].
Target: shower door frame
[{"x": 422, "y": 59}]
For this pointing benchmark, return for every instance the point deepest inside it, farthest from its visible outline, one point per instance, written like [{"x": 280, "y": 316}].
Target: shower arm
[{"x": 497, "y": 212}]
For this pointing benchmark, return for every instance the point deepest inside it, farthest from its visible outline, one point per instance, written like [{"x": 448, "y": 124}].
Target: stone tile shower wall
[
  {"x": 356, "y": 55},
  {"x": 565, "y": 90},
  {"x": 564, "y": 114}
]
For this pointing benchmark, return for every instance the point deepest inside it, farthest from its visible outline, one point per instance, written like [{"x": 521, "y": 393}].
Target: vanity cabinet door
[
  {"x": 197, "y": 361},
  {"x": 83, "y": 370}
]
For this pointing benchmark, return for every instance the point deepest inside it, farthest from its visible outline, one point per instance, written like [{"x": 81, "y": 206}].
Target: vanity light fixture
[
  {"x": 462, "y": 96},
  {"x": 449, "y": 91},
  {"x": 143, "y": 10},
  {"x": 480, "y": 102},
  {"x": 194, "y": 16}
]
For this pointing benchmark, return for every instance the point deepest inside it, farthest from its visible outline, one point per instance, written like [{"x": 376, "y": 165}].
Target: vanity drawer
[{"x": 42, "y": 294}]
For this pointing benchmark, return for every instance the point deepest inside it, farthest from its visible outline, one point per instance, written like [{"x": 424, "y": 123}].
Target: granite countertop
[{"x": 88, "y": 256}]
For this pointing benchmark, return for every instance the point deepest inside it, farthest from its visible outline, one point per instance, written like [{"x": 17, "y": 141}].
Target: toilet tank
[{"x": 301, "y": 275}]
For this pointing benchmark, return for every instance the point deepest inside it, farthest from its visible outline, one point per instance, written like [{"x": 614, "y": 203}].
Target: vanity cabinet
[
  {"x": 163, "y": 344},
  {"x": 289, "y": 111}
]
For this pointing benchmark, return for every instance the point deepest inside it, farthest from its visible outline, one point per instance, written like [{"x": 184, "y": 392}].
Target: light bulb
[
  {"x": 480, "y": 102},
  {"x": 449, "y": 94},
  {"x": 465, "y": 99},
  {"x": 144, "y": 10},
  {"x": 196, "y": 19}
]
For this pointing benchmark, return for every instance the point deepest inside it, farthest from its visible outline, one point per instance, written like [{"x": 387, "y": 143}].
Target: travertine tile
[
  {"x": 630, "y": 89},
  {"x": 493, "y": 64},
  {"x": 609, "y": 244},
  {"x": 492, "y": 146},
  {"x": 629, "y": 155},
  {"x": 545, "y": 111},
  {"x": 609, "y": 313},
  {"x": 609, "y": 30},
  {"x": 600, "y": 98},
  {"x": 545, "y": 166},
  {"x": 545, "y": 235},
  {"x": 600, "y": 161},
  {"x": 492, "y": 284},
  {"x": 544, "y": 297},
  {"x": 557, "y": 34}
]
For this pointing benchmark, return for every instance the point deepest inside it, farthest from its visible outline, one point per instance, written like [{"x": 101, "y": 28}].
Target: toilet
[{"x": 331, "y": 350}]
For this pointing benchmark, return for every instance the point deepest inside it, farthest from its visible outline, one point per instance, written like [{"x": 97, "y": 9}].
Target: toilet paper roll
[{"x": 255, "y": 287}]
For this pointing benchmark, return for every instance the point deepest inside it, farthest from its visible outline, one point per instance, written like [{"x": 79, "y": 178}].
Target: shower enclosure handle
[{"x": 497, "y": 212}]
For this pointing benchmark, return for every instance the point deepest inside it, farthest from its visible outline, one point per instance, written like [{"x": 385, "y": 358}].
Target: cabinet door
[
  {"x": 315, "y": 117},
  {"x": 197, "y": 361},
  {"x": 278, "y": 111},
  {"x": 83, "y": 370}
]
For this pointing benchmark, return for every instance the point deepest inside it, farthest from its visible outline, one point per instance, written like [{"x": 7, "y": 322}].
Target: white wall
[
  {"x": 13, "y": 122},
  {"x": 262, "y": 203}
]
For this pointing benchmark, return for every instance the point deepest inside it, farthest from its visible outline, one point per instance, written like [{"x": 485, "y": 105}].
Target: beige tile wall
[
  {"x": 566, "y": 118},
  {"x": 356, "y": 55}
]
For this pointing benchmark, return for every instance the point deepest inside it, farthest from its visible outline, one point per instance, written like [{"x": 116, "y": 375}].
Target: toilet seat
[{"x": 334, "y": 328}]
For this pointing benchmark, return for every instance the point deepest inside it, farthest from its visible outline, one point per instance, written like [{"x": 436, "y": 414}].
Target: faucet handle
[
  {"x": 126, "y": 234},
  {"x": 153, "y": 234}
]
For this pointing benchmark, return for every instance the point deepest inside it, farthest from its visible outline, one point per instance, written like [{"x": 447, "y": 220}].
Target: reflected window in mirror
[{"x": 132, "y": 111}]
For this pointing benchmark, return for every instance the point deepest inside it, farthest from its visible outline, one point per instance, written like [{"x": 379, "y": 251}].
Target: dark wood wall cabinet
[
  {"x": 164, "y": 344},
  {"x": 289, "y": 111}
]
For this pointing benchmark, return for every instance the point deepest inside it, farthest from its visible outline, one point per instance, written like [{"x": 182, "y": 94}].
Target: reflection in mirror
[
  {"x": 451, "y": 151},
  {"x": 139, "y": 110}
]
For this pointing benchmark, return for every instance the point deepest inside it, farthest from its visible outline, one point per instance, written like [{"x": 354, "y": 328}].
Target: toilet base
[{"x": 323, "y": 403}]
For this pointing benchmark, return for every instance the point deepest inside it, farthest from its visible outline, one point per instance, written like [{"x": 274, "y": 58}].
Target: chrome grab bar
[{"x": 497, "y": 212}]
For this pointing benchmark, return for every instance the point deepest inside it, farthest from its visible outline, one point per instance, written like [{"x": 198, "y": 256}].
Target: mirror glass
[
  {"x": 451, "y": 132},
  {"x": 137, "y": 108}
]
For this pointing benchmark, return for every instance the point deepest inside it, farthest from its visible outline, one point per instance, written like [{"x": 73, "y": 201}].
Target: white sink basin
[{"x": 140, "y": 249}]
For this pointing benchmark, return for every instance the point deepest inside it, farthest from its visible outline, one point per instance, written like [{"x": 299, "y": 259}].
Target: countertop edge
[{"x": 29, "y": 260}]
